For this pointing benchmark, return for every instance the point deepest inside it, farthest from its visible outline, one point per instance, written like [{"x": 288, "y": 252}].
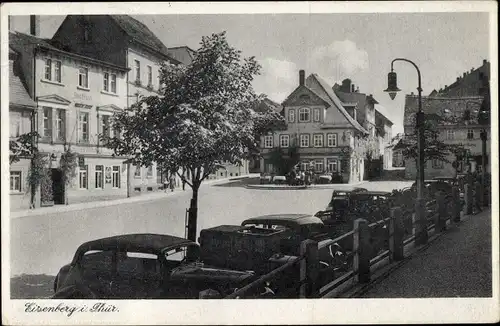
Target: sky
[{"x": 359, "y": 46}]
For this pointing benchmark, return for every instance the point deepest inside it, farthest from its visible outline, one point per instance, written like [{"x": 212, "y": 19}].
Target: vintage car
[
  {"x": 338, "y": 205},
  {"x": 142, "y": 266}
]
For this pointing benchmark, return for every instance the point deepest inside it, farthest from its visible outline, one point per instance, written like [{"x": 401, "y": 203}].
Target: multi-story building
[
  {"x": 369, "y": 115},
  {"x": 465, "y": 130},
  {"x": 384, "y": 136},
  {"x": 459, "y": 103},
  {"x": 324, "y": 129},
  {"x": 127, "y": 43},
  {"x": 75, "y": 98},
  {"x": 22, "y": 109}
]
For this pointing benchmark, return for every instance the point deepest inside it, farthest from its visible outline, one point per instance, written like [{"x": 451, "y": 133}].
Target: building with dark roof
[
  {"x": 320, "y": 124},
  {"x": 471, "y": 83},
  {"x": 183, "y": 54},
  {"x": 460, "y": 126}
]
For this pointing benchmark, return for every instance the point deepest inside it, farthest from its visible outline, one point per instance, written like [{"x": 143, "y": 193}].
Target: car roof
[
  {"x": 372, "y": 193},
  {"x": 289, "y": 220},
  {"x": 349, "y": 189},
  {"x": 138, "y": 242}
]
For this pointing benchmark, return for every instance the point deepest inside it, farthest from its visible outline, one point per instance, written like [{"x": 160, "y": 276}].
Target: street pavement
[
  {"x": 41, "y": 244},
  {"x": 457, "y": 264}
]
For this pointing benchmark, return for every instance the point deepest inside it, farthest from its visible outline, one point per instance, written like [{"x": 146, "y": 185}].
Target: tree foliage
[
  {"x": 203, "y": 115},
  {"x": 435, "y": 148},
  {"x": 22, "y": 147},
  {"x": 285, "y": 162}
]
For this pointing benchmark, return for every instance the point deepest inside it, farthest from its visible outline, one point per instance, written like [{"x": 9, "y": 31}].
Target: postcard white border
[{"x": 347, "y": 311}]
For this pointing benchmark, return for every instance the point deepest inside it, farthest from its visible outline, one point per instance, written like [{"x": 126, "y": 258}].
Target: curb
[
  {"x": 386, "y": 271},
  {"x": 311, "y": 187},
  {"x": 106, "y": 203}
]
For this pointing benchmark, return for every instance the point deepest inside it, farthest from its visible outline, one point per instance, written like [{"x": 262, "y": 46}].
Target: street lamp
[{"x": 392, "y": 89}]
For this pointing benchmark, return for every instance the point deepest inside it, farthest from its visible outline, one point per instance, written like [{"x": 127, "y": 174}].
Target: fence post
[
  {"x": 309, "y": 269},
  {"x": 361, "y": 250},
  {"x": 455, "y": 195},
  {"x": 479, "y": 195},
  {"x": 396, "y": 234},
  {"x": 468, "y": 199},
  {"x": 441, "y": 212},
  {"x": 421, "y": 237}
]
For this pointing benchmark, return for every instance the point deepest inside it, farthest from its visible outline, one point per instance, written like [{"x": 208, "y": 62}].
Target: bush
[{"x": 46, "y": 194}]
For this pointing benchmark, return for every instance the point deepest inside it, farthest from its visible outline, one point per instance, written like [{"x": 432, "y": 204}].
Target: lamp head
[{"x": 392, "y": 85}]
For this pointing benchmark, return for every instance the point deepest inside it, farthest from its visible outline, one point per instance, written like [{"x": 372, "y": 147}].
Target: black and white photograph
[{"x": 250, "y": 163}]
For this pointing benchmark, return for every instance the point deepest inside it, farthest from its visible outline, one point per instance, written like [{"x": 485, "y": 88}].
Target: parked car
[
  {"x": 265, "y": 178},
  {"x": 142, "y": 266},
  {"x": 279, "y": 179},
  {"x": 338, "y": 205}
]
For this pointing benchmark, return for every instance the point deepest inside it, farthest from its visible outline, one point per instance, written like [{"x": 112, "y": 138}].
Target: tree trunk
[{"x": 193, "y": 214}]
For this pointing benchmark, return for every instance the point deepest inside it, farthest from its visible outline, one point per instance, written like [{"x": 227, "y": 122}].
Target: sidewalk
[
  {"x": 456, "y": 264},
  {"x": 104, "y": 203}
]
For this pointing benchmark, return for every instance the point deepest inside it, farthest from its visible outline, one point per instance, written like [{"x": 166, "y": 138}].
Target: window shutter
[{"x": 78, "y": 126}]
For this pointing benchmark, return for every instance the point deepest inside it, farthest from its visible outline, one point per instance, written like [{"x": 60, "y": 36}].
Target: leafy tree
[
  {"x": 435, "y": 148},
  {"x": 22, "y": 147},
  {"x": 202, "y": 117},
  {"x": 284, "y": 162}
]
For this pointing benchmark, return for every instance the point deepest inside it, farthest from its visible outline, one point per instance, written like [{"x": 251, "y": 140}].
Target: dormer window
[{"x": 304, "y": 115}]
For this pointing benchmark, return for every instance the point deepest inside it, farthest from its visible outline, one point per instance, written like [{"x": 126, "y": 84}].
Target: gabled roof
[
  {"x": 140, "y": 33},
  {"x": 327, "y": 93},
  {"x": 18, "y": 93},
  {"x": 315, "y": 96},
  {"x": 380, "y": 112},
  {"x": 184, "y": 54},
  {"x": 19, "y": 40}
]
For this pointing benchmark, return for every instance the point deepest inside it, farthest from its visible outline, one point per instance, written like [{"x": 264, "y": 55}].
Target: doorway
[{"x": 57, "y": 187}]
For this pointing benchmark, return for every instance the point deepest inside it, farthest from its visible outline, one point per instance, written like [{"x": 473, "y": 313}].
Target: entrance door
[{"x": 57, "y": 187}]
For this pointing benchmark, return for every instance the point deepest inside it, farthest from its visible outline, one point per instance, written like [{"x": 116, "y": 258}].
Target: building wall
[
  {"x": 20, "y": 200},
  {"x": 74, "y": 99}
]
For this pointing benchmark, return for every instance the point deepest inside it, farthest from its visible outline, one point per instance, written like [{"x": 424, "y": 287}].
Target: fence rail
[{"x": 391, "y": 242}]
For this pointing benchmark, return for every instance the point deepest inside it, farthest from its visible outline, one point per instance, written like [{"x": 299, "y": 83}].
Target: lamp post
[{"x": 392, "y": 89}]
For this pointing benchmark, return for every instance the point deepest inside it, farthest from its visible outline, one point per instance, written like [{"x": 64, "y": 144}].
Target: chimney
[
  {"x": 472, "y": 69},
  {"x": 346, "y": 85},
  {"x": 458, "y": 79},
  {"x": 302, "y": 76},
  {"x": 35, "y": 25},
  {"x": 445, "y": 86},
  {"x": 465, "y": 74},
  {"x": 352, "y": 88},
  {"x": 485, "y": 61}
]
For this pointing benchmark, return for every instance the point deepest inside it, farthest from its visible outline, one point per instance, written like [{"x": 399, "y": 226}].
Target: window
[
  {"x": 450, "y": 134},
  {"x": 83, "y": 77},
  {"x": 116, "y": 177},
  {"x": 150, "y": 76},
  {"x": 318, "y": 140},
  {"x": 331, "y": 140},
  {"x": 61, "y": 124},
  {"x": 15, "y": 181},
  {"x": 332, "y": 166},
  {"x": 291, "y": 115},
  {"x": 284, "y": 140},
  {"x": 137, "y": 172},
  {"x": 470, "y": 134},
  {"x": 437, "y": 164},
  {"x": 268, "y": 141},
  {"x": 304, "y": 165},
  {"x": 47, "y": 123},
  {"x": 15, "y": 124},
  {"x": 113, "y": 83},
  {"x": 149, "y": 172},
  {"x": 109, "y": 82},
  {"x": 48, "y": 69},
  {"x": 99, "y": 177},
  {"x": 304, "y": 114},
  {"x": 106, "y": 82},
  {"x": 82, "y": 176},
  {"x": 304, "y": 140},
  {"x": 316, "y": 115},
  {"x": 318, "y": 166},
  {"x": 106, "y": 129},
  {"x": 84, "y": 127},
  {"x": 57, "y": 71},
  {"x": 137, "y": 71}
]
